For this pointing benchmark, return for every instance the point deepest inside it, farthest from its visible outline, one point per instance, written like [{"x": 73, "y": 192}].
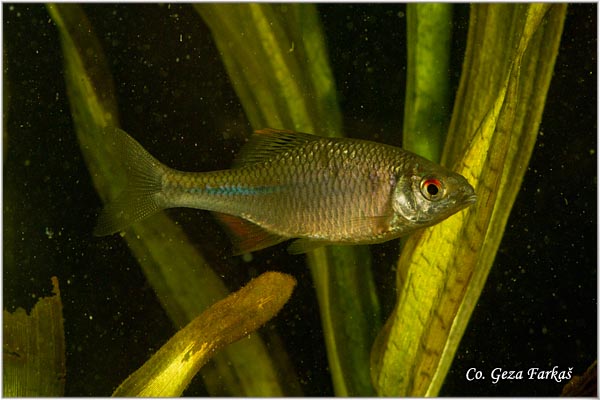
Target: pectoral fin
[{"x": 301, "y": 246}]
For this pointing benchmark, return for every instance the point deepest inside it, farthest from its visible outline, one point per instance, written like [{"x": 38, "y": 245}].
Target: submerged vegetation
[{"x": 277, "y": 61}]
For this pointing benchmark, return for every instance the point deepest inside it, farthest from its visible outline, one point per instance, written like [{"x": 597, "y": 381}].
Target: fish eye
[{"x": 431, "y": 188}]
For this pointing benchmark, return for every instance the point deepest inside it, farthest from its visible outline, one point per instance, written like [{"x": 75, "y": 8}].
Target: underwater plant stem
[
  {"x": 276, "y": 58},
  {"x": 427, "y": 105},
  {"x": 510, "y": 55},
  {"x": 541, "y": 39},
  {"x": 181, "y": 277}
]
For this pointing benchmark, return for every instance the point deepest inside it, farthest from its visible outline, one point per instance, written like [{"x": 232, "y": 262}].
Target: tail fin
[{"x": 142, "y": 196}]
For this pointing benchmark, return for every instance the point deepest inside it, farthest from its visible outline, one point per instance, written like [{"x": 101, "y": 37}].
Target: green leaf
[
  {"x": 169, "y": 371},
  {"x": 182, "y": 279},
  {"x": 427, "y": 105},
  {"x": 34, "y": 349},
  {"x": 277, "y": 61},
  {"x": 509, "y": 60}
]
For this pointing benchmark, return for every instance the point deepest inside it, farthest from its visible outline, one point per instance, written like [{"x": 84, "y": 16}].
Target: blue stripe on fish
[{"x": 235, "y": 190}]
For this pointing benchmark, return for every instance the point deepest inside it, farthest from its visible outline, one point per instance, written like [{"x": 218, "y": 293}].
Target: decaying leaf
[
  {"x": 34, "y": 349},
  {"x": 171, "y": 369}
]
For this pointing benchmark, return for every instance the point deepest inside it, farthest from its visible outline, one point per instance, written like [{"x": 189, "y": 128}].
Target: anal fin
[{"x": 246, "y": 236}]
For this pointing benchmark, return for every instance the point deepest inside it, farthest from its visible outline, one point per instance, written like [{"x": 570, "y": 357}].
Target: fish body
[{"x": 287, "y": 185}]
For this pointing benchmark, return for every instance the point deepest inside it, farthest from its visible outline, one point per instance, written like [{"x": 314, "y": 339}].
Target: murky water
[{"x": 539, "y": 305}]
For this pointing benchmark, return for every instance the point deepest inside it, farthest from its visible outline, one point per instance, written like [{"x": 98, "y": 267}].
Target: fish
[{"x": 290, "y": 185}]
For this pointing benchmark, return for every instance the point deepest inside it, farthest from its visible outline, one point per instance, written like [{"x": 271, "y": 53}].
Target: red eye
[{"x": 431, "y": 188}]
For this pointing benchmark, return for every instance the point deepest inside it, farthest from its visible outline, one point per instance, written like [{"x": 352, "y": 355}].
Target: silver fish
[{"x": 287, "y": 185}]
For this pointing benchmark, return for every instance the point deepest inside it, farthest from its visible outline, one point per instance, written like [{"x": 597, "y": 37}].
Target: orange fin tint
[{"x": 247, "y": 236}]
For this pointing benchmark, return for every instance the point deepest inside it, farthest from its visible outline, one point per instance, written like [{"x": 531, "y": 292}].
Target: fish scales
[
  {"x": 292, "y": 185},
  {"x": 301, "y": 201}
]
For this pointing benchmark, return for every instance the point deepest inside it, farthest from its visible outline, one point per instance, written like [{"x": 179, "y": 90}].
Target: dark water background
[{"x": 538, "y": 308}]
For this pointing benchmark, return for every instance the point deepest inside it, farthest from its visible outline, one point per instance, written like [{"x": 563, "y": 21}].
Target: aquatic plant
[{"x": 441, "y": 271}]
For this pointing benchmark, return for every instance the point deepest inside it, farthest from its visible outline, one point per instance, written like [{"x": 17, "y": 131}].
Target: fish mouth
[{"x": 471, "y": 198}]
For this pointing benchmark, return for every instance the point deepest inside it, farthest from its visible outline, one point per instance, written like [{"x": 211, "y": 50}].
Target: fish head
[{"x": 430, "y": 193}]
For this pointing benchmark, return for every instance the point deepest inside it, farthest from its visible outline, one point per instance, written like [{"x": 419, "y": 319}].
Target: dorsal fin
[{"x": 265, "y": 142}]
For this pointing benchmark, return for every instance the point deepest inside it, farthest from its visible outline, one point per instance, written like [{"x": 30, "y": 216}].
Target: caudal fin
[{"x": 142, "y": 196}]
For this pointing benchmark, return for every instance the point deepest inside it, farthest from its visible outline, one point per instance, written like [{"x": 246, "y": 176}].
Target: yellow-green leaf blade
[
  {"x": 34, "y": 349},
  {"x": 276, "y": 59},
  {"x": 427, "y": 105},
  {"x": 442, "y": 270},
  {"x": 184, "y": 282},
  {"x": 169, "y": 371}
]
